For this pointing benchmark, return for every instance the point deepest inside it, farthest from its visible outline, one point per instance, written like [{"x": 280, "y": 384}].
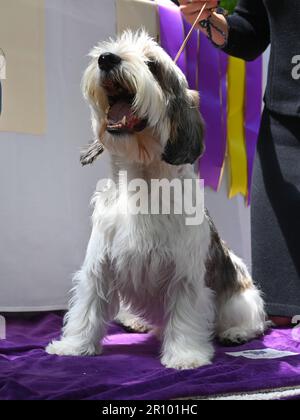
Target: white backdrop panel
[{"x": 45, "y": 194}]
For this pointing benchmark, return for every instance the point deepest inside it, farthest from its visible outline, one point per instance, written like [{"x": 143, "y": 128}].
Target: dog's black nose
[{"x": 108, "y": 61}]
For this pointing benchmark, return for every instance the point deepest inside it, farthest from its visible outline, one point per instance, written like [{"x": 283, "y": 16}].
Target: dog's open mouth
[{"x": 121, "y": 118}]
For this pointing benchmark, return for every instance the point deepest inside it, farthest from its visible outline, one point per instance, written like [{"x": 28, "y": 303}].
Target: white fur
[{"x": 155, "y": 263}]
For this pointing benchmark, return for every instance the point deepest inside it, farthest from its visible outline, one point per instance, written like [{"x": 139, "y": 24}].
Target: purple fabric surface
[{"x": 130, "y": 369}]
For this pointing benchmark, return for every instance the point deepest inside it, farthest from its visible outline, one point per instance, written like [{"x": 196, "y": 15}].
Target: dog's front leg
[
  {"x": 94, "y": 303},
  {"x": 189, "y": 328}
]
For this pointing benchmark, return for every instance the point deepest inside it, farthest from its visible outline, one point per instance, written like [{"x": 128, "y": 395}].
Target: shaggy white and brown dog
[{"x": 153, "y": 270}]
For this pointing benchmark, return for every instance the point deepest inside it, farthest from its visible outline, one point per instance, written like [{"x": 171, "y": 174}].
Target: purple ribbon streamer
[
  {"x": 171, "y": 31},
  {"x": 212, "y": 68},
  {"x": 212, "y": 77},
  {"x": 191, "y": 51},
  {"x": 252, "y": 113}
]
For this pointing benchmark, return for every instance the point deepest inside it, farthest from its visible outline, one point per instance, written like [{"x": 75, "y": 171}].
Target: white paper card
[{"x": 263, "y": 354}]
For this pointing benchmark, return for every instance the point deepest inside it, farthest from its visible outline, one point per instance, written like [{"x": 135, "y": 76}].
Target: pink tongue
[{"x": 117, "y": 112}]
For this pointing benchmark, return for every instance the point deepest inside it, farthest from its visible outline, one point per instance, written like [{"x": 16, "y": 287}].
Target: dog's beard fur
[{"x": 181, "y": 279}]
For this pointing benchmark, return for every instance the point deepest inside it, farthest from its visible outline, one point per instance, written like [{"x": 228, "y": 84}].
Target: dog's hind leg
[
  {"x": 241, "y": 314},
  {"x": 93, "y": 305},
  {"x": 131, "y": 321}
]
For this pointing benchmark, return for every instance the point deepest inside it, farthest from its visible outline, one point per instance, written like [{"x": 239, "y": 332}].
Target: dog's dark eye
[
  {"x": 153, "y": 67},
  {"x": 160, "y": 75}
]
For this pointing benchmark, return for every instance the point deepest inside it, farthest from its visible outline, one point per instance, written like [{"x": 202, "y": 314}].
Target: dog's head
[{"x": 141, "y": 106}]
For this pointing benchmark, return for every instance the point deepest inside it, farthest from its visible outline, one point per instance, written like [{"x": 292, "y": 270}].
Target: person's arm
[{"x": 247, "y": 30}]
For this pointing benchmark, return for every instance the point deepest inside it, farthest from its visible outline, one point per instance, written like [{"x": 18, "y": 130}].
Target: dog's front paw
[
  {"x": 69, "y": 347},
  {"x": 187, "y": 360}
]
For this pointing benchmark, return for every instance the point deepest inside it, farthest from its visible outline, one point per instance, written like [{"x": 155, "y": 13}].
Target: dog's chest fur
[{"x": 150, "y": 253}]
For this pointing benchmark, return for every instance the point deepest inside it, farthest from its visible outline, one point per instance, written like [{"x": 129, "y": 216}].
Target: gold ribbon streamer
[{"x": 235, "y": 127}]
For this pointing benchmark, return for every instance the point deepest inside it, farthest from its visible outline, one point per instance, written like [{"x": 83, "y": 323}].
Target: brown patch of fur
[{"x": 223, "y": 276}]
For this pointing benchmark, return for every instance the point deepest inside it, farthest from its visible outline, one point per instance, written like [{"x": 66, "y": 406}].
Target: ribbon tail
[
  {"x": 236, "y": 132},
  {"x": 212, "y": 86}
]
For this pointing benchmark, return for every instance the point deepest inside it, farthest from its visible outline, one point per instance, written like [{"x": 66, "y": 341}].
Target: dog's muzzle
[{"x": 121, "y": 118}]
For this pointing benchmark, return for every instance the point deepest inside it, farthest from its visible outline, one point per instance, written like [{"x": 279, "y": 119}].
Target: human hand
[
  {"x": 191, "y": 9},
  {"x": 219, "y": 29}
]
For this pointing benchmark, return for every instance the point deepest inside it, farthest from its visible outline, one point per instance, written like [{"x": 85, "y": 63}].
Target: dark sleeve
[{"x": 249, "y": 30}]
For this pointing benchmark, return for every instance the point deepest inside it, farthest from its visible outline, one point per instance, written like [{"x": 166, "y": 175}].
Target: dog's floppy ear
[
  {"x": 90, "y": 153},
  {"x": 92, "y": 94},
  {"x": 186, "y": 143}
]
